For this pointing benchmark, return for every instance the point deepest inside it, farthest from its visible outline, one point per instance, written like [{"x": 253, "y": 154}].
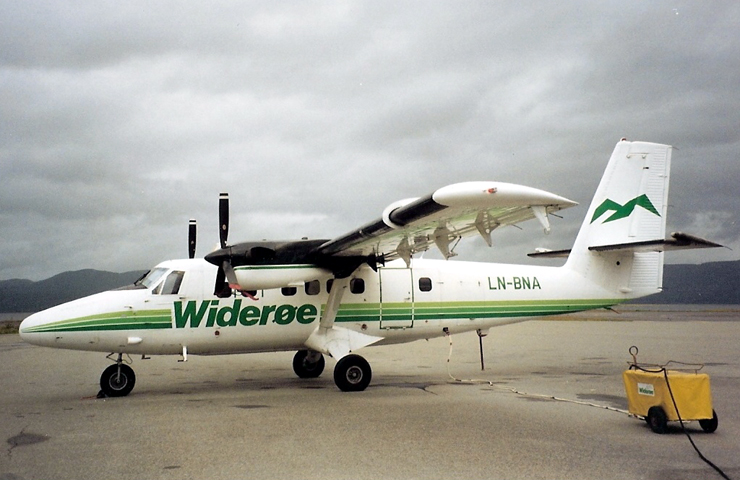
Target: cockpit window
[
  {"x": 171, "y": 285},
  {"x": 151, "y": 278}
]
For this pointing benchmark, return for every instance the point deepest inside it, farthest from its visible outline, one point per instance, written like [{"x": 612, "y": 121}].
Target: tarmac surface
[{"x": 248, "y": 416}]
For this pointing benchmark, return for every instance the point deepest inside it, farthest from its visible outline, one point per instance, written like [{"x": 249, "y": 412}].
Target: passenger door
[{"x": 396, "y": 298}]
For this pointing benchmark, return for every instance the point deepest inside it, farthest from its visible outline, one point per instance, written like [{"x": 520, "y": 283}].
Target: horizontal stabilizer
[
  {"x": 550, "y": 253},
  {"x": 678, "y": 241}
]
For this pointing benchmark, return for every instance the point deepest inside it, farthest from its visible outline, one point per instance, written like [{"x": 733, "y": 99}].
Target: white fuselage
[{"x": 396, "y": 303}]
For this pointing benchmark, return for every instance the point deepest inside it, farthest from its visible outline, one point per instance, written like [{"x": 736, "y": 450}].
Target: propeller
[
  {"x": 192, "y": 229},
  {"x": 222, "y": 258},
  {"x": 223, "y": 218}
]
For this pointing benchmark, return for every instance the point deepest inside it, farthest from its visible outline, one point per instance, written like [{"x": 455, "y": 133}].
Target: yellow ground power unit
[{"x": 655, "y": 393}]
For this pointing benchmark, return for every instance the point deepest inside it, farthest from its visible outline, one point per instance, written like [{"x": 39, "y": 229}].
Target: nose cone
[
  {"x": 68, "y": 325},
  {"x": 32, "y": 325}
]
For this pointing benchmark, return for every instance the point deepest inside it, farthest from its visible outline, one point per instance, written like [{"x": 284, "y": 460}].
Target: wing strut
[
  {"x": 332, "y": 340},
  {"x": 332, "y": 304}
]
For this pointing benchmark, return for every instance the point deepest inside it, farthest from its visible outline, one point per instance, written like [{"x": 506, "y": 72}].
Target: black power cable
[{"x": 683, "y": 427}]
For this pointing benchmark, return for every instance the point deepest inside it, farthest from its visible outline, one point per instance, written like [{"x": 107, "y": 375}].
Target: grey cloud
[{"x": 118, "y": 122}]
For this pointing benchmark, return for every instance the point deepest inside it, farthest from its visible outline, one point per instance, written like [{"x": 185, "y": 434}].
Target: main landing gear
[
  {"x": 352, "y": 373},
  {"x": 117, "y": 380}
]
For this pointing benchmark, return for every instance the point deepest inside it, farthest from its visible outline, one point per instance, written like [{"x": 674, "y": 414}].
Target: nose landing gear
[{"x": 117, "y": 380}]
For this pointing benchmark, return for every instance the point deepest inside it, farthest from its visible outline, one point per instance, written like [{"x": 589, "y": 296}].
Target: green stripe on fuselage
[
  {"x": 141, "y": 320},
  {"x": 351, "y": 312},
  {"x": 454, "y": 310}
]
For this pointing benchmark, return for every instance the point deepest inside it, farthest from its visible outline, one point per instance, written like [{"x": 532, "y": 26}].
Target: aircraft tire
[
  {"x": 352, "y": 373},
  {"x": 113, "y": 385},
  {"x": 305, "y": 369},
  {"x": 657, "y": 420}
]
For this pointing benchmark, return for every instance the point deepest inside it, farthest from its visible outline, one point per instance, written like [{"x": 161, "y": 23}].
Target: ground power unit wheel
[
  {"x": 657, "y": 419},
  {"x": 709, "y": 425}
]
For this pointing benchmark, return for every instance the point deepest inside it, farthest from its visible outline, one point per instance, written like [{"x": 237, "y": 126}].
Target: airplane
[{"x": 332, "y": 297}]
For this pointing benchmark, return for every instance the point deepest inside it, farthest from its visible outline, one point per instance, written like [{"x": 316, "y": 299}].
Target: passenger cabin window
[
  {"x": 289, "y": 291},
  {"x": 313, "y": 287},
  {"x": 425, "y": 284},
  {"x": 357, "y": 285},
  {"x": 171, "y": 285}
]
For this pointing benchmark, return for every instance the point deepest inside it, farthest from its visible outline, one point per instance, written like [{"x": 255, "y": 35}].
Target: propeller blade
[
  {"x": 219, "y": 287},
  {"x": 225, "y": 280},
  {"x": 192, "y": 229},
  {"x": 223, "y": 218},
  {"x": 230, "y": 275}
]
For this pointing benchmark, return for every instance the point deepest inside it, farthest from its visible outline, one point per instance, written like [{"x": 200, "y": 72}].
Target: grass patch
[{"x": 9, "y": 327}]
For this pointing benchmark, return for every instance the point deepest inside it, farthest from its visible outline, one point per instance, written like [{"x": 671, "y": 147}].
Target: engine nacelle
[
  {"x": 392, "y": 208},
  {"x": 265, "y": 277}
]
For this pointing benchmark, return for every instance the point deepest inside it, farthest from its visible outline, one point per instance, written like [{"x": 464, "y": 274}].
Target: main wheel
[
  {"x": 306, "y": 367},
  {"x": 709, "y": 425},
  {"x": 117, "y": 383},
  {"x": 657, "y": 419},
  {"x": 352, "y": 373}
]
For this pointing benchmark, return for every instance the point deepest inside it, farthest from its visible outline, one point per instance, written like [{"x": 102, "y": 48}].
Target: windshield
[{"x": 151, "y": 278}]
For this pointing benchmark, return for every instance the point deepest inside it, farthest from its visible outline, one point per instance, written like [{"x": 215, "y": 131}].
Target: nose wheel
[{"x": 117, "y": 380}]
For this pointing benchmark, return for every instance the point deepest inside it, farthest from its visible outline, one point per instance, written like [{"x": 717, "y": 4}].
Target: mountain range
[{"x": 707, "y": 283}]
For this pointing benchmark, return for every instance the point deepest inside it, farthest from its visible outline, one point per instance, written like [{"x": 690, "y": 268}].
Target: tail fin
[{"x": 628, "y": 211}]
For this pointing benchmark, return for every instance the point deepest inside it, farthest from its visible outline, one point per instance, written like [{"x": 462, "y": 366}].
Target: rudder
[{"x": 629, "y": 208}]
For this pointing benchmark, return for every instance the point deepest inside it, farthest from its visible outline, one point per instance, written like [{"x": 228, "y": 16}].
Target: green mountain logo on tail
[{"x": 623, "y": 211}]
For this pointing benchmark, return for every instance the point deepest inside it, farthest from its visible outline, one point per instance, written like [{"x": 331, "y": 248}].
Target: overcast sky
[{"x": 119, "y": 121}]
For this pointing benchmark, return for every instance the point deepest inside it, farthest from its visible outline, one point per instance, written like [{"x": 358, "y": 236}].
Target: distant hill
[
  {"x": 708, "y": 283},
  {"x": 28, "y": 296}
]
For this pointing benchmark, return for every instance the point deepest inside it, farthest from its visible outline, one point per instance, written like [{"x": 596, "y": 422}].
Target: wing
[{"x": 443, "y": 218}]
